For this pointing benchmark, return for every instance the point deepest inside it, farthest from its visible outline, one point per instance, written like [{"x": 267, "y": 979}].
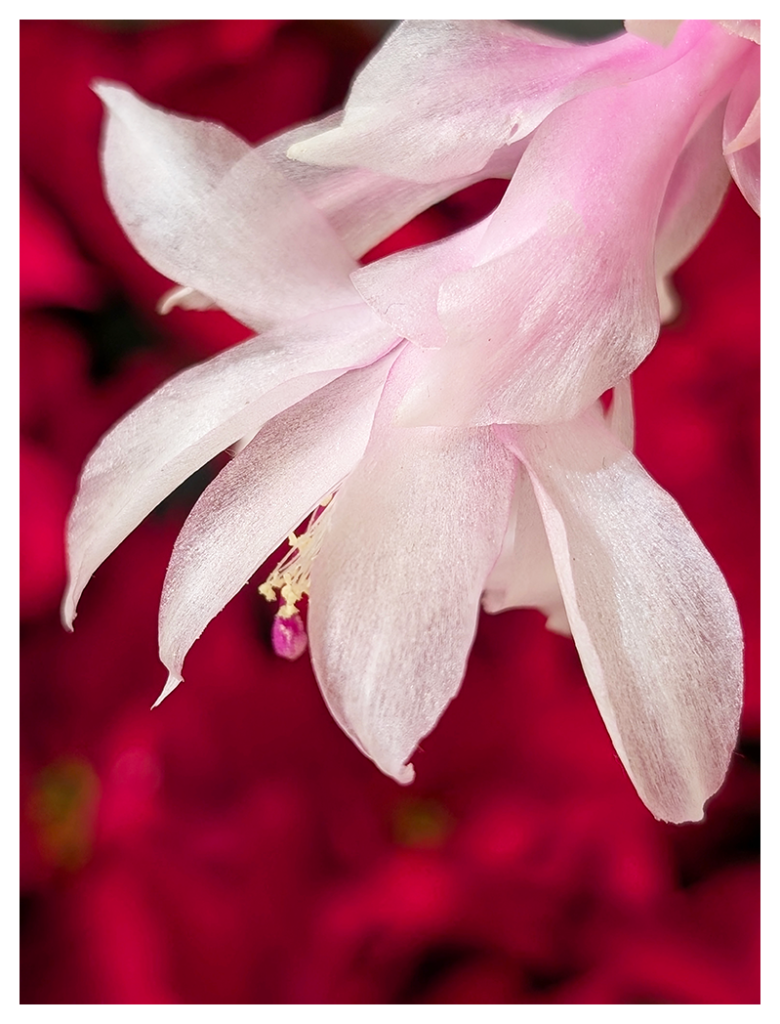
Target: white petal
[
  {"x": 365, "y": 206},
  {"x": 198, "y": 414},
  {"x": 620, "y": 416},
  {"x": 440, "y": 97},
  {"x": 656, "y": 627},
  {"x": 524, "y": 575},
  {"x": 669, "y": 302},
  {"x": 213, "y": 215},
  {"x": 258, "y": 498},
  {"x": 395, "y": 589},
  {"x": 749, "y": 133},
  {"x": 186, "y": 298}
]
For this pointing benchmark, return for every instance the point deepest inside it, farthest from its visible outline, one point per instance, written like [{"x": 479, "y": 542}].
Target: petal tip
[
  {"x": 106, "y": 90},
  {"x": 316, "y": 149},
  {"x": 687, "y": 817},
  {"x": 170, "y": 685},
  {"x": 68, "y": 607},
  {"x": 303, "y": 150},
  {"x": 404, "y": 774}
]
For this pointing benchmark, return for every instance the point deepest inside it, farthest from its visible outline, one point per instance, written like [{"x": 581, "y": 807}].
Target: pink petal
[
  {"x": 693, "y": 197},
  {"x": 656, "y": 627},
  {"x": 198, "y": 414},
  {"x": 742, "y": 129},
  {"x": 561, "y": 303},
  {"x": 210, "y": 213},
  {"x": 440, "y": 97},
  {"x": 395, "y": 589},
  {"x": 257, "y": 499},
  {"x": 403, "y": 289}
]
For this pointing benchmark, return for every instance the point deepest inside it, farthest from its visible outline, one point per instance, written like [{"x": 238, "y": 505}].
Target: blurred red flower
[{"x": 234, "y": 846}]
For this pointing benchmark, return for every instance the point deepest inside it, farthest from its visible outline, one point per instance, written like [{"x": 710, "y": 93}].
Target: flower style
[{"x": 429, "y": 495}]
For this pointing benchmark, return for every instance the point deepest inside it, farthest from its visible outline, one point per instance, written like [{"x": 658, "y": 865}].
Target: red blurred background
[{"x": 234, "y": 846}]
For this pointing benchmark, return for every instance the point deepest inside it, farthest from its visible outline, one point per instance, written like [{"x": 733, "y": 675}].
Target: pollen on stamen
[{"x": 289, "y": 583}]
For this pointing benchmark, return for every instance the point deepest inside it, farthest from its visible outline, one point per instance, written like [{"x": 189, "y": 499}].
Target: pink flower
[{"x": 438, "y": 413}]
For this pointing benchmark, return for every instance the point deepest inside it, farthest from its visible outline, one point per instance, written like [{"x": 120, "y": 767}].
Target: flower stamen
[{"x": 290, "y": 582}]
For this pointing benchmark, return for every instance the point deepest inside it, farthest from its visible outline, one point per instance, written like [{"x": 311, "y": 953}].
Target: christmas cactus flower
[{"x": 438, "y": 420}]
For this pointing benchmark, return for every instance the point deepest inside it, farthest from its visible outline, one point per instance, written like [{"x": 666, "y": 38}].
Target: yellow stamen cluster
[{"x": 291, "y": 579}]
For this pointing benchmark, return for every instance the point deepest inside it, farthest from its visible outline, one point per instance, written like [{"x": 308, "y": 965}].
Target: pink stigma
[{"x": 288, "y": 636}]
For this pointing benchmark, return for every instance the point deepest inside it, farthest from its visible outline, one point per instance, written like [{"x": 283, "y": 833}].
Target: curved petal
[
  {"x": 198, "y": 414},
  {"x": 440, "y": 97},
  {"x": 655, "y": 624},
  {"x": 561, "y": 302},
  {"x": 395, "y": 589},
  {"x": 257, "y": 499},
  {"x": 214, "y": 215},
  {"x": 745, "y": 167},
  {"x": 692, "y": 199},
  {"x": 403, "y": 289},
  {"x": 524, "y": 575},
  {"x": 186, "y": 298},
  {"x": 741, "y": 131},
  {"x": 363, "y": 206},
  {"x": 620, "y": 415}
]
